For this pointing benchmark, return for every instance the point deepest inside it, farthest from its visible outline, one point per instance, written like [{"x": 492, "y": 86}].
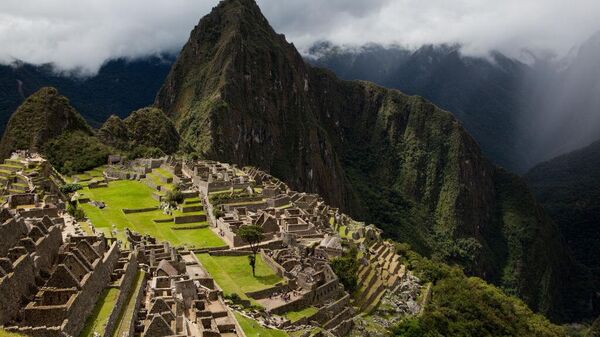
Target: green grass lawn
[
  {"x": 234, "y": 275},
  {"x": 297, "y": 315},
  {"x": 127, "y": 312},
  {"x": 9, "y": 334},
  {"x": 163, "y": 172},
  {"x": 101, "y": 313},
  {"x": 135, "y": 195},
  {"x": 253, "y": 329}
]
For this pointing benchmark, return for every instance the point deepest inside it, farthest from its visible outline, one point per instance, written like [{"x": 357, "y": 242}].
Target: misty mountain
[
  {"x": 520, "y": 113},
  {"x": 566, "y": 98},
  {"x": 120, "y": 87}
]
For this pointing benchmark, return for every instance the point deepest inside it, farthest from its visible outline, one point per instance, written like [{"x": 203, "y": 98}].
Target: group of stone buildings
[
  {"x": 52, "y": 274},
  {"x": 301, "y": 236}
]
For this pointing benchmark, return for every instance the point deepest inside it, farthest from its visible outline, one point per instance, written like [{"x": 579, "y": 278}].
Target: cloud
[{"x": 81, "y": 35}]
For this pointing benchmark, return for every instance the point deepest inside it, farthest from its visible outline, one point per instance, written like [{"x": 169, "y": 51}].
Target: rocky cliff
[{"x": 241, "y": 93}]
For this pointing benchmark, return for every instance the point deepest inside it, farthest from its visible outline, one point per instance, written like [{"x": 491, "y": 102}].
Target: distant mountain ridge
[
  {"x": 120, "y": 87},
  {"x": 485, "y": 94},
  {"x": 239, "y": 92}
]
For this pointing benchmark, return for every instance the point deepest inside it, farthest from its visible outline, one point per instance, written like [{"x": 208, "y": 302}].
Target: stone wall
[
  {"x": 11, "y": 232},
  {"x": 139, "y": 297},
  {"x": 231, "y": 253},
  {"x": 139, "y": 210},
  {"x": 125, "y": 287},
  {"x": 262, "y": 294},
  {"x": 190, "y": 218},
  {"x": 16, "y": 285},
  {"x": 47, "y": 249},
  {"x": 276, "y": 267},
  {"x": 16, "y": 200},
  {"x": 40, "y": 213},
  {"x": 93, "y": 288}
]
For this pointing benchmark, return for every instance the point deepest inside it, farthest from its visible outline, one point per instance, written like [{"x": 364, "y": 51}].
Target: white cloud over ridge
[{"x": 81, "y": 35}]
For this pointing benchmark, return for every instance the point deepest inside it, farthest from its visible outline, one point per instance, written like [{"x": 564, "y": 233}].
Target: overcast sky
[{"x": 82, "y": 34}]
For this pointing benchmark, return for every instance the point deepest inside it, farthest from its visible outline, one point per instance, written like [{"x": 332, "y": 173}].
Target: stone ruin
[
  {"x": 50, "y": 286},
  {"x": 180, "y": 298}
]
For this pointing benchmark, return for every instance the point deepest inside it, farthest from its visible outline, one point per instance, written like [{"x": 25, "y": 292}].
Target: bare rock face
[{"x": 240, "y": 93}]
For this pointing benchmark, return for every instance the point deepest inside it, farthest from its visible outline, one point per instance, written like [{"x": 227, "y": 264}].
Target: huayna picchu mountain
[{"x": 239, "y": 92}]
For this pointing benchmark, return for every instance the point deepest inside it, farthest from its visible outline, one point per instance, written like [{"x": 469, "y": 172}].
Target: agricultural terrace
[{"x": 253, "y": 329}]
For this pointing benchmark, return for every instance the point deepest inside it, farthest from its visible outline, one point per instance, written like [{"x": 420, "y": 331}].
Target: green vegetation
[
  {"x": 594, "y": 329},
  {"x": 146, "y": 132},
  {"x": 46, "y": 122},
  {"x": 232, "y": 274},
  {"x": 70, "y": 188},
  {"x": 346, "y": 268},
  {"x": 76, "y": 151},
  {"x": 11, "y": 334},
  {"x": 99, "y": 317},
  {"x": 298, "y": 315},
  {"x": 136, "y": 195},
  {"x": 126, "y": 314},
  {"x": 220, "y": 198},
  {"x": 467, "y": 306},
  {"x": 253, "y": 329},
  {"x": 75, "y": 211},
  {"x": 569, "y": 188},
  {"x": 43, "y": 116}
]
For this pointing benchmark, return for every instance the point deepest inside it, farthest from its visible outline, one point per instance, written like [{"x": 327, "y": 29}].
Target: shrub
[
  {"x": 70, "y": 188},
  {"x": 75, "y": 211},
  {"x": 346, "y": 269}
]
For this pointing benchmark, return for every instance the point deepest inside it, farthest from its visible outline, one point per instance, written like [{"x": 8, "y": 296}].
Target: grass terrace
[
  {"x": 86, "y": 177},
  {"x": 99, "y": 317},
  {"x": 127, "y": 312},
  {"x": 234, "y": 275},
  {"x": 295, "y": 316},
  {"x": 253, "y": 329},
  {"x": 136, "y": 195}
]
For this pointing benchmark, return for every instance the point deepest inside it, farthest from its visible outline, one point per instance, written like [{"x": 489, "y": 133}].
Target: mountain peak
[{"x": 43, "y": 116}]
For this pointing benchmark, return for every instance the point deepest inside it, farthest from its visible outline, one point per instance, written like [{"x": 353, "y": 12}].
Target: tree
[{"x": 253, "y": 235}]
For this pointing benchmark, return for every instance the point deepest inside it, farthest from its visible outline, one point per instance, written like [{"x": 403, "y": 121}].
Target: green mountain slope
[
  {"x": 569, "y": 188},
  {"x": 47, "y": 123},
  {"x": 241, "y": 93},
  {"x": 149, "y": 128}
]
